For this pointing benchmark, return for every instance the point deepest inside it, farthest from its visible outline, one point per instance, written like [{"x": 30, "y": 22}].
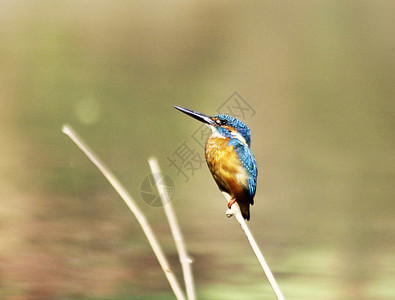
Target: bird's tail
[{"x": 245, "y": 210}]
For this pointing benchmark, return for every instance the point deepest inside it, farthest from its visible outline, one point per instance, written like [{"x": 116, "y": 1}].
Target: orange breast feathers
[{"x": 225, "y": 166}]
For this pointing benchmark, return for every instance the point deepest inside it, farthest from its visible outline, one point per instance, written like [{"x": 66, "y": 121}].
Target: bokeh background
[{"x": 320, "y": 77}]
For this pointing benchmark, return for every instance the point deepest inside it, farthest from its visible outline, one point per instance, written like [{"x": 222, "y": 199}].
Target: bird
[{"x": 229, "y": 158}]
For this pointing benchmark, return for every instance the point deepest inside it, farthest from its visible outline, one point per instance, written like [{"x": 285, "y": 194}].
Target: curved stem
[{"x": 133, "y": 207}]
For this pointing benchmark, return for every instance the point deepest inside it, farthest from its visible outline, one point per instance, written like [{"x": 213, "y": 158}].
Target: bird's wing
[{"x": 248, "y": 161}]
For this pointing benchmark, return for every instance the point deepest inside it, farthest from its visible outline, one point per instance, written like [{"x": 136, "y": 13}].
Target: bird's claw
[{"x": 231, "y": 202}]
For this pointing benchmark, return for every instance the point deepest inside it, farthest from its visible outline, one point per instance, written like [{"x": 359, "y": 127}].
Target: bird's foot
[{"x": 231, "y": 202}]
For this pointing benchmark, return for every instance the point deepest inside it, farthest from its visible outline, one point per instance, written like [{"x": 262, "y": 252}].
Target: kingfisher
[{"x": 229, "y": 158}]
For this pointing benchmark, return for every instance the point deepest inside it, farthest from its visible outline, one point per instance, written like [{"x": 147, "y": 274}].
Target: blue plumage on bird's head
[{"x": 231, "y": 127}]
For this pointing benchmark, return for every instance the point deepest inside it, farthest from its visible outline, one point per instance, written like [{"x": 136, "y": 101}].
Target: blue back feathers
[{"x": 248, "y": 160}]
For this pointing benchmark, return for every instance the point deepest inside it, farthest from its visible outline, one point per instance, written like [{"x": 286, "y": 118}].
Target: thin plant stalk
[
  {"x": 133, "y": 207},
  {"x": 175, "y": 230},
  {"x": 235, "y": 211}
]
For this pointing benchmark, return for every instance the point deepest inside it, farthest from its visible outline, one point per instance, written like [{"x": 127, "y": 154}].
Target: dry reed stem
[
  {"x": 237, "y": 214},
  {"x": 133, "y": 207},
  {"x": 175, "y": 230}
]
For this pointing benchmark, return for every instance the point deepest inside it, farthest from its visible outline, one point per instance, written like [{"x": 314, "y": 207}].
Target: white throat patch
[{"x": 214, "y": 131}]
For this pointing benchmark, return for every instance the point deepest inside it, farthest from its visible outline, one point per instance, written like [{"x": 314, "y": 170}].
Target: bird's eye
[{"x": 221, "y": 122}]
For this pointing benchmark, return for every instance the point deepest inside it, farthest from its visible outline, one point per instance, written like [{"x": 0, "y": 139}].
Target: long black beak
[{"x": 198, "y": 116}]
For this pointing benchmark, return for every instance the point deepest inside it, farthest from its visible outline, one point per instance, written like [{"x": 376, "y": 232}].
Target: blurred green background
[{"x": 320, "y": 76}]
